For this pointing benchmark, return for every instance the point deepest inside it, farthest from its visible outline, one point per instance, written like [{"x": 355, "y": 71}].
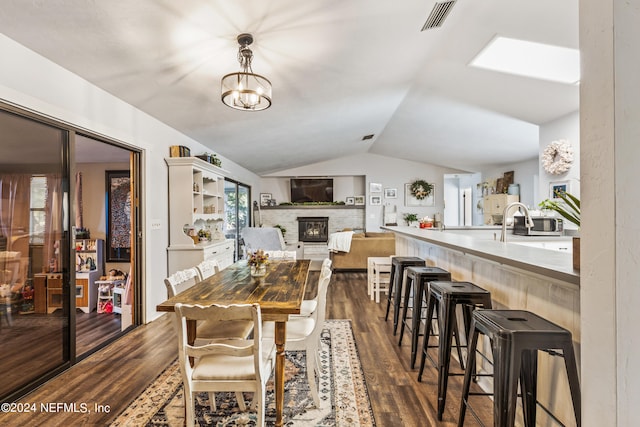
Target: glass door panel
[
  {"x": 237, "y": 211},
  {"x": 35, "y": 294}
]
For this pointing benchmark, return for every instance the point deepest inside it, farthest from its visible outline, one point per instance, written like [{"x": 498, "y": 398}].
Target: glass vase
[{"x": 258, "y": 270}]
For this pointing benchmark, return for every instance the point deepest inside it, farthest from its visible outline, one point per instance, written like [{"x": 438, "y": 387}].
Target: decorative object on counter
[
  {"x": 565, "y": 204},
  {"x": 568, "y": 206},
  {"x": 204, "y": 235},
  {"x": 410, "y": 218},
  {"x": 557, "y": 157},
  {"x": 421, "y": 189},
  {"x": 258, "y": 261},
  {"x": 426, "y": 222}
]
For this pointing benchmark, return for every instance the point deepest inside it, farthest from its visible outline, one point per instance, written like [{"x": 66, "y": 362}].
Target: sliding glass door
[
  {"x": 35, "y": 283},
  {"x": 237, "y": 211}
]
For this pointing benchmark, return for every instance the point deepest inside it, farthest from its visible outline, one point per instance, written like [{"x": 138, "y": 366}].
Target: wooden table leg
[{"x": 280, "y": 338}]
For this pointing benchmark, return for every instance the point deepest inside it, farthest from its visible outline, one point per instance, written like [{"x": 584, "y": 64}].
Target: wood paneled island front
[{"x": 519, "y": 277}]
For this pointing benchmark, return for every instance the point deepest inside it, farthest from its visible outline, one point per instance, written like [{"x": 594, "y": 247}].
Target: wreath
[
  {"x": 557, "y": 157},
  {"x": 420, "y": 189}
]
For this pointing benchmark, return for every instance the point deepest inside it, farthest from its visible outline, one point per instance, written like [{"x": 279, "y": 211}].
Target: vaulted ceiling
[{"x": 340, "y": 69}]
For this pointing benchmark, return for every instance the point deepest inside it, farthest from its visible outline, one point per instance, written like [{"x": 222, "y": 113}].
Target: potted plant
[
  {"x": 567, "y": 207},
  {"x": 410, "y": 218}
]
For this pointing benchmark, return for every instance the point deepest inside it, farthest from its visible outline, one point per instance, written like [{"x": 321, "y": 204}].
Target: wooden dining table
[{"x": 279, "y": 294}]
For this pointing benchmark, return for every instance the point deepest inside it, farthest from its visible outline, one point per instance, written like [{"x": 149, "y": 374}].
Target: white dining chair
[
  {"x": 208, "y": 268},
  {"x": 303, "y": 334},
  {"x": 308, "y": 306},
  {"x": 207, "y": 331},
  {"x": 234, "y": 365},
  {"x": 282, "y": 255}
]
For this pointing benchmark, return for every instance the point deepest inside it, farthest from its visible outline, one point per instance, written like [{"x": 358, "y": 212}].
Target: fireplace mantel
[{"x": 313, "y": 207}]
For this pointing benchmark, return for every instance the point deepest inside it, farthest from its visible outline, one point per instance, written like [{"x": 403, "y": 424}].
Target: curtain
[
  {"x": 14, "y": 210},
  {"x": 55, "y": 209}
]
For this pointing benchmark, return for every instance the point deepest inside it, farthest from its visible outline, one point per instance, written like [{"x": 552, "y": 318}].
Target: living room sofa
[{"x": 364, "y": 245}]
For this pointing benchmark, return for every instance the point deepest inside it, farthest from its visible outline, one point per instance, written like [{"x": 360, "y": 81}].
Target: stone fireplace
[{"x": 313, "y": 229}]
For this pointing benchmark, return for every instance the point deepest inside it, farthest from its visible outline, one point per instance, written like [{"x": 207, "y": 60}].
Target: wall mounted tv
[{"x": 311, "y": 190}]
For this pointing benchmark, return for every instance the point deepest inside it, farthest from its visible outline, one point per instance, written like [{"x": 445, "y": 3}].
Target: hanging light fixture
[{"x": 245, "y": 90}]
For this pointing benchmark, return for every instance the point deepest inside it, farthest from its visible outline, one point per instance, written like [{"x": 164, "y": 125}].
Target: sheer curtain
[
  {"x": 53, "y": 230},
  {"x": 14, "y": 209}
]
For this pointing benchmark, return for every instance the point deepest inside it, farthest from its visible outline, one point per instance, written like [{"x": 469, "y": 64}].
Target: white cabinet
[
  {"x": 196, "y": 200},
  {"x": 494, "y": 204},
  {"x": 181, "y": 258}
]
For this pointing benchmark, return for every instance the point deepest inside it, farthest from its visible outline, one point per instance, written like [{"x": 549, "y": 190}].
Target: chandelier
[{"x": 245, "y": 90}]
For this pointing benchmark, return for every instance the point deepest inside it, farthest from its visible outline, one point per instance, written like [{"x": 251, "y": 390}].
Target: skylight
[{"x": 530, "y": 59}]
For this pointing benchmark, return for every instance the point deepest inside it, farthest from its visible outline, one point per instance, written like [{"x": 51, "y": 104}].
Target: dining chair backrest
[
  {"x": 208, "y": 268},
  {"x": 282, "y": 255},
  {"x": 319, "y": 314},
  {"x": 181, "y": 280},
  {"x": 225, "y": 365}
]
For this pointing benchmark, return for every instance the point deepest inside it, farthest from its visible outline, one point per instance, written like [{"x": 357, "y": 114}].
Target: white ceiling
[{"x": 340, "y": 69}]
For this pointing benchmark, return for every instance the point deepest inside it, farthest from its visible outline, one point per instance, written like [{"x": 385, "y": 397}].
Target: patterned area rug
[{"x": 343, "y": 392}]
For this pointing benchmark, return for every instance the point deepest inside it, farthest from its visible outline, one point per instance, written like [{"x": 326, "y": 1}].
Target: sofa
[{"x": 364, "y": 245}]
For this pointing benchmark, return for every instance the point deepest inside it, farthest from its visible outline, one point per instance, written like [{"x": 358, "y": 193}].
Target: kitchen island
[{"x": 520, "y": 274}]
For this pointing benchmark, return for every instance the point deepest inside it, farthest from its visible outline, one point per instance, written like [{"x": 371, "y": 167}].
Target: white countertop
[{"x": 484, "y": 242}]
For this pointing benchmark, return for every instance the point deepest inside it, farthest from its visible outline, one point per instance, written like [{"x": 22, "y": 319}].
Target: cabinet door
[{"x": 82, "y": 292}]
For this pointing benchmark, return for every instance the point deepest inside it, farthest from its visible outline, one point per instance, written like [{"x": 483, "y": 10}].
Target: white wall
[
  {"x": 567, "y": 128},
  {"x": 32, "y": 82},
  {"x": 390, "y": 172}
]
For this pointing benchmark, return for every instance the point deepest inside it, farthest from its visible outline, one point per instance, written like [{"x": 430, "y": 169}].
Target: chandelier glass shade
[{"x": 246, "y": 90}]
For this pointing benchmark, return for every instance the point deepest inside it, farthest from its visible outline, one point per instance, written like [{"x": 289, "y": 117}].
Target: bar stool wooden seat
[
  {"x": 396, "y": 283},
  {"x": 417, "y": 284},
  {"x": 445, "y": 297},
  {"x": 516, "y": 336}
]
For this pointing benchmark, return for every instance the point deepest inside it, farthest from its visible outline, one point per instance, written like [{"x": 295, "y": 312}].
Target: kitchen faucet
[{"x": 527, "y": 219}]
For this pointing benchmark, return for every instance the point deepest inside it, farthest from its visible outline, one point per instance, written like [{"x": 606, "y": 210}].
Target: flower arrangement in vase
[{"x": 258, "y": 261}]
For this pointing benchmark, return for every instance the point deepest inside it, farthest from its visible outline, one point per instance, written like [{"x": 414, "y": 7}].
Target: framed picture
[
  {"x": 375, "y": 188},
  {"x": 265, "y": 199},
  {"x": 359, "y": 200},
  {"x": 390, "y": 193},
  {"x": 410, "y": 200},
  {"x": 558, "y": 187},
  {"x": 118, "y": 203},
  {"x": 375, "y": 200},
  {"x": 350, "y": 201}
]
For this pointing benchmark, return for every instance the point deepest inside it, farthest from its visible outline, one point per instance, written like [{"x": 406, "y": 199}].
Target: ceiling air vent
[{"x": 438, "y": 14}]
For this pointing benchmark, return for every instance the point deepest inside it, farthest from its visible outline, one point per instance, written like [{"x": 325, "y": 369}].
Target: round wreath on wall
[
  {"x": 557, "y": 157},
  {"x": 420, "y": 189}
]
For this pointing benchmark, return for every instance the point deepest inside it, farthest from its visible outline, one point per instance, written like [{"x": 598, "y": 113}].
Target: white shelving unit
[
  {"x": 89, "y": 264},
  {"x": 196, "y": 200}
]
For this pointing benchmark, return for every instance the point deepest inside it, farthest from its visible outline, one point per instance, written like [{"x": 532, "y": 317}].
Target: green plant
[
  {"x": 410, "y": 217},
  {"x": 568, "y": 206},
  {"x": 282, "y": 229}
]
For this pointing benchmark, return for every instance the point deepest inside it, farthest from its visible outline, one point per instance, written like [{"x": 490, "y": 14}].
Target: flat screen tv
[{"x": 311, "y": 190}]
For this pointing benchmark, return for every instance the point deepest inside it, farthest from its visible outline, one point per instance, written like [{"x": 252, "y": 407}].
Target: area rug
[{"x": 343, "y": 392}]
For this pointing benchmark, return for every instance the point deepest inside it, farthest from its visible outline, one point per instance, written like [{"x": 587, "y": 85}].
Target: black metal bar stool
[
  {"x": 445, "y": 297},
  {"x": 398, "y": 265},
  {"x": 417, "y": 280},
  {"x": 516, "y": 336}
]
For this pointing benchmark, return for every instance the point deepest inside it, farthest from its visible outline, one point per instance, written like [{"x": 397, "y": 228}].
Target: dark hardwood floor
[{"x": 115, "y": 375}]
